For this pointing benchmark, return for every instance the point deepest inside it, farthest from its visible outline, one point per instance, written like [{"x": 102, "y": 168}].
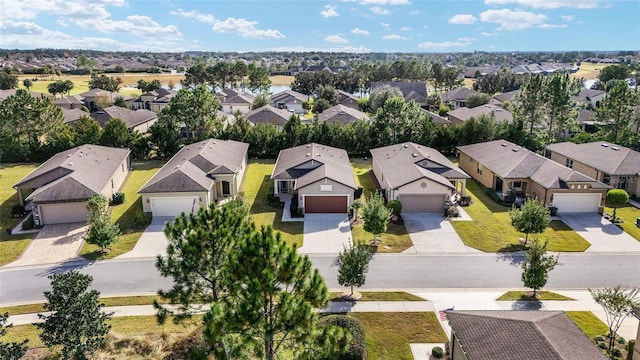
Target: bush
[
  {"x": 602, "y": 345},
  {"x": 18, "y": 211},
  {"x": 465, "y": 200},
  {"x": 118, "y": 198},
  {"x": 443, "y": 110},
  {"x": 28, "y": 224},
  {"x": 358, "y": 193},
  {"x": 437, "y": 352},
  {"x": 630, "y": 346},
  {"x": 616, "y": 352},
  {"x": 357, "y": 349},
  {"x": 599, "y": 338},
  {"x": 395, "y": 206},
  {"x": 142, "y": 220},
  {"x": 190, "y": 346},
  {"x": 621, "y": 340}
]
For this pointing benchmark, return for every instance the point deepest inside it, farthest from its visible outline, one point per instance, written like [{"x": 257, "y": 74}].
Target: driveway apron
[
  {"x": 153, "y": 241},
  {"x": 601, "y": 233},
  {"x": 432, "y": 233},
  {"x": 325, "y": 233},
  {"x": 54, "y": 244}
]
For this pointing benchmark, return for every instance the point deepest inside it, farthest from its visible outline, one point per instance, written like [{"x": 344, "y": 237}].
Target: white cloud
[
  {"x": 385, "y": 2},
  {"x": 359, "y": 31},
  {"x": 513, "y": 20},
  {"x": 62, "y": 22},
  {"x": 81, "y": 9},
  {"x": 552, "y": 26},
  {"x": 329, "y": 11},
  {"x": 379, "y": 10},
  {"x": 393, "y": 37},
  {"x": 193, "y": 14},
  {"x": 464, "y": 19},
  {"x": 567, "y": 17},
  {"x": 405, "y": 28},
  {"x": 488, "y": 34},
  {"x": 384, "y": 24},
  {"x": 336, "y": 39},
  {"x": 135, "y": 24},
  {"x": 245, "y": 29},
  {"x": 461, "y": 42},
  {"x": 303, "y": 48},
  {"x": 552, "y": 4},
  {"x": 415, "y": 12}
]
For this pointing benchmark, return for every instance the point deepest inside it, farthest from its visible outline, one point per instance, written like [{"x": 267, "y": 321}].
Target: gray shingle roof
[
  {"x": 587, "y": 94},
  {"x": 73, "y": 115},
  {"x": 230, "y": 96},
  {"x": 193, "y": 167},
  {"x": 342, "y": 115},
  {"x": 79, "y": 173},
  {"x": 329, "y": 162},
  {"x": 268, "y": 115},
  {"x": 411, "y": 90},
  {"x": 510, "y": 161},
  {"x": 459, "y": 94},
  {"x": 408, "y": 162},
  {"x": 496, "y": 112},
  {"x": 612, "y": 159},
  {"x": 287, "y": 96},
  {"x": 522, "y": 335},
  {"x": 131, "y": 118}
]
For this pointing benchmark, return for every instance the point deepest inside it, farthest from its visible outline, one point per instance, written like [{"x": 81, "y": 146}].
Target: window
[
  {"x": 479, "y": 169},
  {"x": 122, "y": 166},
  {"x": 622, "y": 182},
  {"x": 471, "y": 160},
  {"x": 606, "y": 178},
  {"x": 569, "y": 163},
  {"x": 112, "y": 184},
  {"x": 517, "y": 185}
]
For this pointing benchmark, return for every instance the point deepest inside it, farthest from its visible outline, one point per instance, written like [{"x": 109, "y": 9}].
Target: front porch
[
  {"x": 283, "y": 187},
  {"x": 512, "y": 190}
]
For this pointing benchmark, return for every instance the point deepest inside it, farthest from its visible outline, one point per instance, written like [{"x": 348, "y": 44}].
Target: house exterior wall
[
  {"x": 456, "y": 349},
  {"x": 118, "y": 178},
  {"x": 454, "y": 120},
  {"x": 156, "y": 107},
  {"x": 205, "y": 198},
  {"x": 416, "y": 188},
  {"x": 636, "y": 349},
  {"x": 144, "y": 127},
  {"x": 232, "y": 108},
  {"x": 314, "y": 190},
  {"x": 471, "y": 168},
  {"x": 577, "y": 166}
]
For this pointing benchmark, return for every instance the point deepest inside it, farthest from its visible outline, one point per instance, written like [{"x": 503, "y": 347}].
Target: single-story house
[
  {"x": 456, "y": 98},
  {"x": 94, "y": 99},
  {"x": 587, "y": 120},
  {"x": 500, "y": 99},
  {"x": 139, "y": 120},
  {"x": 69, "y": 102},
  {"x": 59, "y": 188},
  {"x": 200, "y": 174},
  {"x": 342, "y": 115},
  {"x": 464, "y": 114},
  {"x": 269, "y": 115},
  {"x": 522, "y": 335},
  {"x": 319, "y": 175},
  {"x": 154, "y": 100},
  {"x": 73, "y": 115},
  {"x": 289, "y": 100},
  {"x": 232, "y": 101},
  {"x": 590, "y": 97},
  {"x": 348, "y": 100},
  {"x": 12, "y": 92},
  {"x": 612, "y": 164},
  {"x": 513, "y": 171},
  {"x": 420, "y": 177},
  {"x": 437, "y": 119},
  {"x": 411, "y": 90}
]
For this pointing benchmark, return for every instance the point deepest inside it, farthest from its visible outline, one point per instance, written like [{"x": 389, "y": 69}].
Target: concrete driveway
[
  {"x": 432, "y": 233},
  {"x": 53, "y": 244},
  {"x": 153, "y": 241},
  {"x": 325, "y": 233},
  {"x": 601, "y": 233}
]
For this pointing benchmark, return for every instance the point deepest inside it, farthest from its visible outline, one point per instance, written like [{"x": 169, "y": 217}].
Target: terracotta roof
[
  {"x": 322, "y": 162},
  {"x": 522, "y": 335},
  {"x": 79, "y": 173},
  {"x": 407, "y": 162},
  {"x": 510, "y": 161},
  {"x": 342, "y": 115},
  {"x": 496, "y": 112},
  {"x": 131, "y": 118},
  {"x": 268, "y": 115},
  {"x": 194, "y": 166},
  {"x": 610, "y": 158}
]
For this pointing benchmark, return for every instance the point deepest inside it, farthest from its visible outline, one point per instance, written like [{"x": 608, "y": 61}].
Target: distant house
[
  {"x": 269, "y": 115},
  {"x": 233, "y": 100},
  {"x": 464, "y": 114},
  {"x": 500, "y": 99},
  {"x": 289, "y": 100},
  {"x": 200, "y": 174},
  {"x": 542, "y": 68},
  {"x": 457, "y": 97},
  {"x": 522, "y": 335},
  {"x": 612, "y": 164},
  {"x": 420, "y": 177},
  {"x": 11, "y": 92},
  {"x": 348, "y": 100},
  {"x": 73, "y": 115},
  {"x": 154, "y": 100},
  {"x": 513, "y": 171},
  {"x": 411, "y": 90},
  {"x": 437, "y": 119},
  {"x": 69, "y": 102},
  {"x": 59, "y": 188},
  {"x": 139, "y": 120},
  {"x": 319, "y": 175},
  {"x": 587, "y": 120},
  {"x": 342, "y": 115},
  {"x": 589, "y": 97},
  {"x": 95, "y": 98}
]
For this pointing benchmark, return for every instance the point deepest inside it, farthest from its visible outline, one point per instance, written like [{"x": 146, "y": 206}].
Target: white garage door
[
  {"x": 63, "y": 213},
  {"x": 173, "y": 206},
  {"x": 577, "y": 202},
  {"x": 422, "y": 203}
]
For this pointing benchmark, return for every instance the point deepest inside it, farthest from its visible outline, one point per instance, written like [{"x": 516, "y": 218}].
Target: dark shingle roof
[
  {"x": 73, "y": 115},
  {"x": 459, "y": 94},
  {"x": 191, "y": 169},
  {"x": 610, "y": 158},
  {"x": 329, "y": 162},
  {"x": 342, "y": 115},
  {"x": 522, "y": 335},
  {"x": 408, "y": 162},
  {"x": 411, "y": 90},
  {"x": 230, "y": 96},
  {"x": 268, "y": 115},
  {"x": 496, "y": 112},
  {"x": 510, "y": 161},
  {"x": 587, "y": 94},
  {"x": 287, "y": 96},
  {"x": 131, "y": 118},
  {"x": 79, "y": 173}
]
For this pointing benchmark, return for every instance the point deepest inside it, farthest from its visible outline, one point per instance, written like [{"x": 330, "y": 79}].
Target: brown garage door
[
  {"x": 325, "y": 204},
  {"x": 63, "y": 213},
  {"x": 433, "y": 203}
]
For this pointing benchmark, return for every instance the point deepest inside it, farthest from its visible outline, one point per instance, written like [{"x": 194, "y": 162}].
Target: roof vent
[
  {"x": 318, "y": 155},
  {"x": 308, "y": 154},
  {"x": 308, "y": 146},
  {"x": 615, "y": 148},
  {"x": 604, "y": 145},
  {"x": 177, "y": 166},
  {"x": 71, "y": 164},
  {"x": 69, "y": 155},
  {"x": 414, "y": 155},
  {"x": 405, "y": 146},
  {"x": 503, "y": 145},
  {"x": 514, "y": 150}
]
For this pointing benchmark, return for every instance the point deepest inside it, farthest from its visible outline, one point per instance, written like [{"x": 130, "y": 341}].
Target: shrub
[
  {"x": 142, "y": 220},
  {"x": 118, "y": 198},
  {"x": 602, "y": 345},
  {"x": 443, "y": 110},
  {"x": 437, "y": 352},
  {"x": 465, "y": 200},
  {"x": 630, "y": 346},
  {"x": 616, "y": 352},
  {"x": 358, "y": 193},
  {"x": 598, "y": 338},
  {"x": 18, "y": 211},
  {"x": 395, "y": 206},
  {"x": 357, "y": 349},
  {"x": 28, "y": 224},
  {"x": 190, "y": 346}
]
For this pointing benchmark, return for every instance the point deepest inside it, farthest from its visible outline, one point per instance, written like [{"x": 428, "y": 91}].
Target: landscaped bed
[
  {"x": 491, "y": 229},
  {"x": 527, "y": 295},
  {"x": 380, "y": 296}
]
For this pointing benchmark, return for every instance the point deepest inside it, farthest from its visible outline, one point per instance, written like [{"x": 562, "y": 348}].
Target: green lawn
[
  {"x": 588, "y": 323},
  {"x": 107, "y": 301},
  {"x": 377, "y": 296},
  {"x": 629, "y": 214},
  {"x": 526, "y": 295},
  {"x": 388, "y": 335},
  {"x": 364, "y": 176},
  {"x": 491, "y": 229},
  {"x": 257, "y": 184},
  {"x": 124, "y": 214},
  {"x": 11, "y": 246}
]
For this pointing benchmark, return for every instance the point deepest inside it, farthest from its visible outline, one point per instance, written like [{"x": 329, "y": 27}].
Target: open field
[{"x": 588, "y": 71}]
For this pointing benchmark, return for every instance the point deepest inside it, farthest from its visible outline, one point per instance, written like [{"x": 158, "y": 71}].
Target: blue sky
[{"x": 343, "y": 25}]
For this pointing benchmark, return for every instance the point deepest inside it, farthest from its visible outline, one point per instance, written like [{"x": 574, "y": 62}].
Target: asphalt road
[{"x": 138, "y": 276}]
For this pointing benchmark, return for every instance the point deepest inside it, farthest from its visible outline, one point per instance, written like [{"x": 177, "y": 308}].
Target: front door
[
  {"x": 284, "y": 186},
  {"x": 498, "y": 184},
  {"x": 225, "y": 188}
]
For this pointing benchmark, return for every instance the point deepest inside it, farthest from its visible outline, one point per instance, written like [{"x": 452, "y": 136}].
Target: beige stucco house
[
  {"x": 138, "y": 120},
  {"x": 511, "y": 170},
  {"x": 319, "y": 175},
  {"x": 420, "y": 177},
  {"x": 232, "y": 101},
  {"x": 612, "y": 164},
  {"x": 57, "y": 191},
  {"x": 200, "y": 174}
]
